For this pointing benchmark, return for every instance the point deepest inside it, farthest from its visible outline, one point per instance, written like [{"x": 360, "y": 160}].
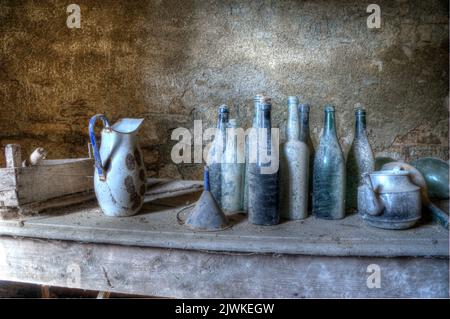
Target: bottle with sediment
[
  {"x": 215, "y": 154},
  {"x": 294, "y": 165},
  {"x": 248, "y": 144},
  {"x": 263, "y": 208},
  {"x": 232, "y": 170},
  {"x": 305, "y": 137}
]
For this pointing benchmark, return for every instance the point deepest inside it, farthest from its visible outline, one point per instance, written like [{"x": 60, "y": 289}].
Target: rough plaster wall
[{"x": 175, "y": 61}]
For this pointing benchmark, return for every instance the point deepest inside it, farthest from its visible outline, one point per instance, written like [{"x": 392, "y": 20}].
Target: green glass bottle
[
  {"x": 232, "y": 171},
  {"x": 256, "y": 100},
  {"x": 305, "y": 137},
  {"x": 360, "y": 160},
  {"x": 215, "y": 154},
  {"x": 329, "y": 173}
]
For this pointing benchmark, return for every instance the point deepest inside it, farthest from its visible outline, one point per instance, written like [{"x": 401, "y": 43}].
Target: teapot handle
[{"x": 98, "y": 161}]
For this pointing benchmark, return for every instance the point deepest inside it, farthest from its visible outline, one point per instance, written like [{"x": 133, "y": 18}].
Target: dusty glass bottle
[
  {"x": 329, "y": 173},
  {"x": 215, "y": 154},
  {"x": 360, "y": 160},
  {"x": 233, "y": 170},
  {"x": 305, "y": 137},
  {"x": 256, "y": 100},
  {"x": 263, "y": 184},
  {"x": 294, "y": 165}
]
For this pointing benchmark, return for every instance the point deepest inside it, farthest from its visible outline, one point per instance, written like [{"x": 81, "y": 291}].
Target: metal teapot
[{"x": 388, "y": 199}]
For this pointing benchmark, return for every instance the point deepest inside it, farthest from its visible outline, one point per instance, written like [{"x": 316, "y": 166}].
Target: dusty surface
[
  {"x": 175, "y": 61},
  {"x": 158, "y": 225}
]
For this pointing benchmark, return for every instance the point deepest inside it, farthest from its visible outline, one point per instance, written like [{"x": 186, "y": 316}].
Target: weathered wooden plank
[
  {"x": 62, "y": 201},
  {"x": 53, "y": 179},
  {"x": 157, "y": 226},
  {"x": 182, "y": 273},
  {"x": 7, "y": 179},
  {"x": 170, "y": 188}
]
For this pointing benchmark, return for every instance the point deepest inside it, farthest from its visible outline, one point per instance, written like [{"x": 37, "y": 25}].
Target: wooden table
[{"x": 152, "y": 254}]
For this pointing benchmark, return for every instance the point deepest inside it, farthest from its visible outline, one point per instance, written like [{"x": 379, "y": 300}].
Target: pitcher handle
[{"x": 98, "y": 161}]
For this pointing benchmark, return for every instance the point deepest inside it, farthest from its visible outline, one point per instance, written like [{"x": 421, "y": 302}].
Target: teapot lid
[{"x": 393, "y": 181}]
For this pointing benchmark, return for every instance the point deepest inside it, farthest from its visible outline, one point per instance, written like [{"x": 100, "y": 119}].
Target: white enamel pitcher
[{"x": 119, "y": 176}]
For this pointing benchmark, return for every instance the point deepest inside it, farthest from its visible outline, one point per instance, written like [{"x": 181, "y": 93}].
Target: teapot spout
[
  {"x": 127, "y": 125},
  {"x": 368, "y": 200}
]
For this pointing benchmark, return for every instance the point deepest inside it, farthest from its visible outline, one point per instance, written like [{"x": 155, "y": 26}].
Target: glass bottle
[
  {"x": 360, "y": 160},
  {"x": 233, "y": 170},
  {"x": 294, "y": 165},
  {"x": 263, "y": 183},
  {"x": 305, "y": 137},
  {"x": 216, "y": 152},
  {"x": 329, "y": 173},
  {"x": 256, "y": 100}
]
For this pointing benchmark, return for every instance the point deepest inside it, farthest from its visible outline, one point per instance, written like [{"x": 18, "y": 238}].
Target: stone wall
[{"x": 175, "y": 61}]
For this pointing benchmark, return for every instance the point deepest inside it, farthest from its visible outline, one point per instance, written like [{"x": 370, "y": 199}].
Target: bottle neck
[
  {"x": 223, "y": 120},
  {"x": 256, "y": 111},
  {"x": 360, "y": 125},
  {"x": 231, "y": 136},
  {"x": 292, "y": 127},
  {"x": 329, "y": 125},
  {"x": 264, "y": 134},
  {"x": 304, "y": 126},
  {"x": 263, "y": 119}
]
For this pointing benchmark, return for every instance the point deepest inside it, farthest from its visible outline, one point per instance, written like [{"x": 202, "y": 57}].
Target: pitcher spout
[{"x": 127, "y": 125}]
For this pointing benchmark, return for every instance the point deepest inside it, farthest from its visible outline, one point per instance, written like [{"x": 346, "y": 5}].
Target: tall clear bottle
[
  {"x": 263, "y": 200},
  {"x": 305, "y": 137},
  {"x": 233, "y": 170},
  {"x": 215, "y": 154},
  {"x": 329, "y": 173},
  {"x": 360, "y": 159},
  {"x": 256, "y": 100},
  {"x": 294, "y": 165}
]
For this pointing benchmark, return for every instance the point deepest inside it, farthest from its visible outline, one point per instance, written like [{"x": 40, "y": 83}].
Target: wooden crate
[{"x": 50, "y": 179}]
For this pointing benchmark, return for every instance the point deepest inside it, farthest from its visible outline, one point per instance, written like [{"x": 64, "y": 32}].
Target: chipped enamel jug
[{"x": 119, "y": 175}]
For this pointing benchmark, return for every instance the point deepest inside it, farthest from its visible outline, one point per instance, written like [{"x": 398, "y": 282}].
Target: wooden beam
[
  {"x": 54, "y": 178},
  {"x": 201, "y": 274}
]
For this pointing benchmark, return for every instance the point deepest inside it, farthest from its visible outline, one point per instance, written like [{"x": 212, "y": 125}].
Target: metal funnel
[{"x": 207, "y": 215}]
